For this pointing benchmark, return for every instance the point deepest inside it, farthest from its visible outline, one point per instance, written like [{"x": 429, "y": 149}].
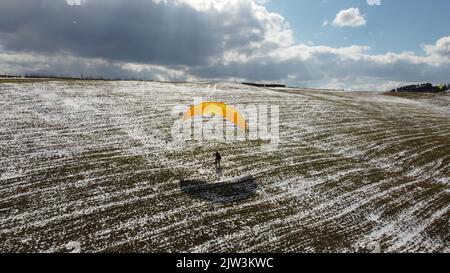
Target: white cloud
[
  {"x": 351, "y": 67},
  {"x": 440, "y": 49},
  {"x": 374, "y": 2},
  {"x": 349, "y": 18}
]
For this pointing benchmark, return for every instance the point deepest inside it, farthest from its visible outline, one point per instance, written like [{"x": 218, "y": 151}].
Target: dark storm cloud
[
  {"x": 139, "y": 31},
  {"x": 259, "y": 69}
]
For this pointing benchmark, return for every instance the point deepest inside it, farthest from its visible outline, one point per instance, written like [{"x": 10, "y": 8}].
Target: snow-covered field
[{"x": 90, "y": 164}]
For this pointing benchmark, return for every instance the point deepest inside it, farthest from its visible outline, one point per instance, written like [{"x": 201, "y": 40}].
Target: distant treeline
[
  {"x": 269, "y": 85},
  {"x": 81, "y": 77},
  {"x": 422, "y": 88}
]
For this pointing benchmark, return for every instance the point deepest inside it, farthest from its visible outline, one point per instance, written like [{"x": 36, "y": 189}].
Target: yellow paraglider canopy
[{"x": 216, "y": 109}]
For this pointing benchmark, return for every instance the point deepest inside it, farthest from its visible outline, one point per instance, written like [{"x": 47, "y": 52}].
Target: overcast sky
[{"x": 349, "y": 44}]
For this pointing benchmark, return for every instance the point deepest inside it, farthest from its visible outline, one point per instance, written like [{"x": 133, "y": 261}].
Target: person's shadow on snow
[{"x": 222, "y": 192}]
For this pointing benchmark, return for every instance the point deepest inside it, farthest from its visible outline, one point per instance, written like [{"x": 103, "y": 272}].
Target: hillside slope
[{"x": 91, "y": 162}]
